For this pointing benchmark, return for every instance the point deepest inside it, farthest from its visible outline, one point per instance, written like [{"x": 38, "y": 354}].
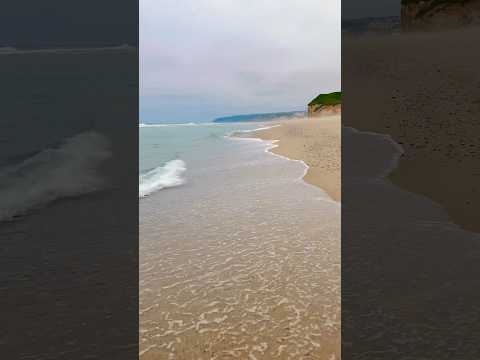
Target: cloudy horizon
[{"x": 202, "y": 59}]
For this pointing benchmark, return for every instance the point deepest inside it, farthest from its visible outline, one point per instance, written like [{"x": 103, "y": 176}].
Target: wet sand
[
  {"x": 317, "y": 142},
  {"x": 408, "y": 269},
  {"x": 408, "y": 273},
  {"x": 235, "y": 264},
  {"x": 426, "y": 99},
  {"x": 69, "y": 267}
]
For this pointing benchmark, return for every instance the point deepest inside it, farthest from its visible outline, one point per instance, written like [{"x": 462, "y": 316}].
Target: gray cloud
[{"x": 232, "y": 55}]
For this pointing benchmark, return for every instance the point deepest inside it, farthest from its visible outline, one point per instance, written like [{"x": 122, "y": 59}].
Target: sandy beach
[
  {"x": 427, "y": 101},
  {"x": 407, "y": 265},
  {"x": 317, "y": 142},
  {"x": 256, "y": 280}
]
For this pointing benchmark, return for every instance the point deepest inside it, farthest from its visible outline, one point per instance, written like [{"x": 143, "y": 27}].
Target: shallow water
[
  {"x": 401, "y": 277},
  {"x": 242, "y": 261}
]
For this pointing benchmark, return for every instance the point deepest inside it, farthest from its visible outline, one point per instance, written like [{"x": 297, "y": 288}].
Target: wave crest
[
  {"x": 162, "y": 177},
  {"x": 64, "y": 171}
]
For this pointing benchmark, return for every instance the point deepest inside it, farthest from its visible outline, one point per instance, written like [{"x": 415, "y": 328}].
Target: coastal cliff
[
  {"x": 325, "y": 104},
  {"x": 439, "y": 14}
]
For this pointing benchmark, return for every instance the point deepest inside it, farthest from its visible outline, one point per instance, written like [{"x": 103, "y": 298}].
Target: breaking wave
[
  {"x": 64, "y": 171},
  {"x": 161, "y": 177}
]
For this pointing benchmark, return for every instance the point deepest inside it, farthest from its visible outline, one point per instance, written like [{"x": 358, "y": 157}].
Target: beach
[
  {"x": 426, "y": 100},
  {"x": 410, "y": 200},
  {"x": 68, "y": 211},
  {"x": 314, "y": 140},
  {"x": 240, "y": 258}
]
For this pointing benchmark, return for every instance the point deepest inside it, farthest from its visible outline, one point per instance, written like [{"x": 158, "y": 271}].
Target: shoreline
[
  {"x": 272, "y": 232},
  {"x": 314, "y": 141},
  {"x": 440, "y": 139}
]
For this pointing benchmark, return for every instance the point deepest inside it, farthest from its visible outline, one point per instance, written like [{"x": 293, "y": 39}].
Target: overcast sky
[{"x": 201, "y": 59}]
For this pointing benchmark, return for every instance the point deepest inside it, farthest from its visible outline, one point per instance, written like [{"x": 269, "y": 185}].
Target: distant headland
[
  {"x": 259, "y": 117},
  {"x": 323, "y": 104}
]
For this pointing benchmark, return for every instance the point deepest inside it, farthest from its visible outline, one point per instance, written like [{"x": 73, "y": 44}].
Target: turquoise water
[
  {"x": 169, "y": 151},
  {"x": 234, "y": 247}
]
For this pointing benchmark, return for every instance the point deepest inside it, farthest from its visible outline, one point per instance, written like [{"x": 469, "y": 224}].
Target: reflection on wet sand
[{"x": 258, "y": 280}]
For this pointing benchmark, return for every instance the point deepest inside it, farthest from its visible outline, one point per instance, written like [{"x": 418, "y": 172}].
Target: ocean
[
  {"x": 165, "y": 150},
  {"x": 69, "y": 203},
  {"x": 239, "y": 257}
]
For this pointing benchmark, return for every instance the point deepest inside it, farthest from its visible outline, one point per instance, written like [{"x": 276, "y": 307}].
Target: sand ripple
[
  {"x": 246, "y": 296},
  {"x": 252, "y": 281}
]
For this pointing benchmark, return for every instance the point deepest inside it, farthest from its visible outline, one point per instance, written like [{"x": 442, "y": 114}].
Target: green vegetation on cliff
[{"x": 333, "y": 98}]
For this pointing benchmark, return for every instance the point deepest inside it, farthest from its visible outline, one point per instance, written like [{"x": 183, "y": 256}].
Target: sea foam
[
  {"x": 161, "y": 177},
  {"x": 69, "y": 169}
]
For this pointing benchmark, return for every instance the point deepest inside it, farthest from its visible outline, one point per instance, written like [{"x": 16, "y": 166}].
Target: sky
[{"x": 202, "y": 59}]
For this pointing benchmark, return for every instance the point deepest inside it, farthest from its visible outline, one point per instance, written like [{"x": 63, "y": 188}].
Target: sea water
[
  {"x": 239, "y": 258},
  {"x": 165, "y": 150}
]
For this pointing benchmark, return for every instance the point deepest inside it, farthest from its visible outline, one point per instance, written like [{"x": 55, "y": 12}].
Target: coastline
[
  {"x": 315, "y": 141},
  {"x": 261, "y": 279},
  {"x": 426, "y": 105}
]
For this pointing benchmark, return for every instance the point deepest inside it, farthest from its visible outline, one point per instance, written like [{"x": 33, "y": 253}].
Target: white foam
[
  {"x": 232, "y": 133},
  {"x": 256, "y": 129},
  {"x": 272, "y": 144},
  {"x": 162, "y": 177},
  {"x": 64, "y": 171},
  {"x": 394, "y": 161}
]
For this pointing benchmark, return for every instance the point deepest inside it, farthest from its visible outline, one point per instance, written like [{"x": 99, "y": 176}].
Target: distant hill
[{"x": 259, "y": 117}]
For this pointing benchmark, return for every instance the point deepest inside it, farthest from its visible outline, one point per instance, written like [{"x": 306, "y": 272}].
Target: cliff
[
  {"x": 439, "y": 14},
  {"x": 325, "y": 104}
]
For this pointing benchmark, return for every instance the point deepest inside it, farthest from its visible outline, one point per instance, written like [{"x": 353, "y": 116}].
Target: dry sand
[
  {"x": 316, "y": 141},
  {"x": 258, "y": 280},
  {"x": 422, "y": 90},
  {"x": 408, "y": 274}
]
